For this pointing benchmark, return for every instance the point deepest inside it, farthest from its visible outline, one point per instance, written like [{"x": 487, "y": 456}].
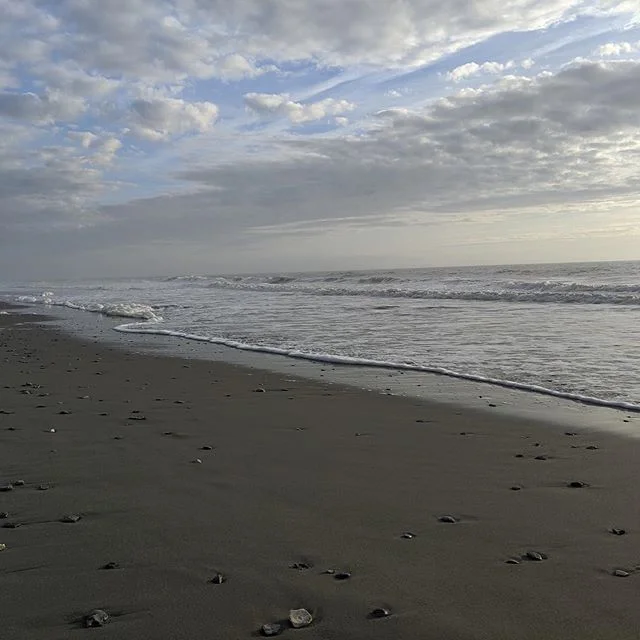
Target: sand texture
[{"x": 298, "y": 478}]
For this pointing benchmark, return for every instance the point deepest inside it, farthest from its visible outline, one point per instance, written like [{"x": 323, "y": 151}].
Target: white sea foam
[{"x": 402, "y": 366}]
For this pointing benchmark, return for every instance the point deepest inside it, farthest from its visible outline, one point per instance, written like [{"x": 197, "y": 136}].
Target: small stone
[
  {"x": 110, "y": 565},
  {"x": 197, "y": 461},
  {"x": 407, "y": 535},
  {"x": 516, "y": 487},
  {"x": 300, "y": 618},
  {"x": 541, "y": 457},
  {"x": 97, "y": 618},
  {"x": 592, "y": 447},
  {"x": 577, "y": 484},
  {"x": 64, "y": 412},
  {"x": 448, "y": 519},
  {"x": 380, "y": 612},
  {"x": 570, "y": 433},
  {"x": 344, "y": 575},
  {"x": 513, "y": 561},
  {"x": 536, "y": 556},
  {"x": 329, "y": 572},
  {"x": 300, "y": 566},
  {"x": 43, "y": 487},
  {"x": 3, "y": 515},
  {"x": 2, "y": 546},
  {"x": 6, "y": 487},
  {"x": 617, "y": 532},
  {"x": 621, "y": 573},
  {"x": 206, "y": 447},
  {"x": 519, "y": 455},
  {"x": 71, "y": 518},
  {"x": 259, "y": 390},
  {"x": 52, "y": 430},
  {"x": 218, "y": 579},
  {"x": 137, "y": 418},
  {"x": 18, "y": 483},
  {"x": 11, "y": 525},
  {"x": 271, "y": 629}
]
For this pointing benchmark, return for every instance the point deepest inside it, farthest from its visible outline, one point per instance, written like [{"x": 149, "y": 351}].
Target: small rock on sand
[
  {"x": 536, "y": 556},
  {"x": 97, "y": 618},
  {"x": 577, "y": 484},
  {"x": 380, "y": 612},
  {"x": 617, "y": 532},
  {"x": 197, "y": 461},
  {"x": 271, "y": 629},
  {"x": 3, "y": 515},
  {"x": 110, "y": 565},
  {"x": 621, "y": 573},
  {"x": 206, "y": 447},
  {"x": 448, "y": 519},
  {"x": 300, "y": 618},
  {"x": 2, "y": 546},
  {"x": 6, "y": 487},
  {"x": 18, "y": 483},
  {"x": 407, "y": 535},
  {"x": 218, "y": 579},
  {"x": 71, "y": 518},
  {"x": 343, "y": 575}
]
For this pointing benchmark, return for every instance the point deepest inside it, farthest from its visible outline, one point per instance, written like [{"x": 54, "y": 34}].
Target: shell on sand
[
  {"x": 272, "y": 629},
  {"x": 97, "y": 618}
]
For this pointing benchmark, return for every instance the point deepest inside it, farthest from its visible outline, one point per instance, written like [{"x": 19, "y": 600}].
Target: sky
[{"x": 160, "y": 137}]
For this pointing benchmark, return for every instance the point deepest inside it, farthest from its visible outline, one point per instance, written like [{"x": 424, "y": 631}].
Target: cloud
[
  {"x": 473, "y": 68},
  {"x": 272, "y": 104},
  {"x": 617, "y": 48},
  {"x": 47, "y": 108},
  {"x": 160, "y": 119}
]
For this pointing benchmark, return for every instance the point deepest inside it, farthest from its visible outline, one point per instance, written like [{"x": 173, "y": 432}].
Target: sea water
[{"x": 569, "y": 330}]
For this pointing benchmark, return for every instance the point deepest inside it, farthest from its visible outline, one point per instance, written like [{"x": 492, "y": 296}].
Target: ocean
[{"x": 566, "y": 330}]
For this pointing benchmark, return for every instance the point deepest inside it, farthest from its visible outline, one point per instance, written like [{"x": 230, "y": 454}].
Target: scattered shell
[
  {"x": 448, "y": 519},
  {"x": 300, "y": 618},
  {"x": 272, "y": 629},
  {"x": 11, "y": 525},
  {"x": 3, "y": 515},
  {"x": 6, "y": 487},
  {"x": 621, "y": 573},
  {"x": 206, "y": 447},
  {"x": 407, "y": 535},
  {"x": 71, "y": 518},
  {"x": 516, "y": 487},
  {"x": 617, "y": 532},
  {"x": 543, "y": 457},
  {"x": 97, "y": 618},
  {"x": 197, "y": 461},
  {"x": 218, "y": 579},
  {"x": 380, "y": 612},
  {"x": 513, "y": 561},
  {"x": 592, "y": 447},
  {"x": 300, "y": 566},
  {"x": 536, "y": 556},
  {"x": 110, "y": 565},
  {"x": 18, "y": 483},
  {"x": 577, "y": 484},
  {"x": 2, "y": 546},
  {"x": 344, "y": 575}
]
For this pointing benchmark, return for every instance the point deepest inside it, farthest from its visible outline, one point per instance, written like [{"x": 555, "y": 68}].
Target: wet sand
[{"x": 302, "y": 472}]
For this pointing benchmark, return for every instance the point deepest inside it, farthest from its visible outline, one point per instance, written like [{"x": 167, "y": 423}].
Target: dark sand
[{"x": 303, "y": 472}]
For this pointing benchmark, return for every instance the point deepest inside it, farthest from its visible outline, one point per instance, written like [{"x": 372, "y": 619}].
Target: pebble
[
  {"x": 541, "y": 458},
  {"x": 97, "y": 618},
  {"x": 407, "y": 535},
  {"x": 197, "y": 461},
  {"x": 272, "y": 629},
  {"x": 6, "y": 487},
  {"x": 2, "y": 546},
  {"x": 577, "y": 484},
  {"x": 536, "y": 556},
  {"x": 11, "y": 525},
  {"x": 344, "y": 575},
  {"x": 516, "y": 487},
  {"x": 380, "y": 612},
  {"x": 300, "y": 618},
  {"x": 218, "y": 579},
  {"x": 43, "y": 487},
  {"x": 621, "y": 573},
  {"x": 206, "y": 447},
  {"x": 18, "y": 483},
  {"x": 64, "y": 412},
  {"x": 448, "y": 519},
  {"x": 259, "y": 390},
  {"x": 592, "y": 447},
  {"x": 3, "y": 515},
  {"x": 300, "y": 566},
  {"x": 71, "y": 518},
  {"x": 617, "y": 532},
  {"x": 513, "y": 561},
  {"x": 110, "y": 565}
]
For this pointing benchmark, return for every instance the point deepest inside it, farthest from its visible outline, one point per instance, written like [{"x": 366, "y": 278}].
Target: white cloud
[
  {"x": 273, "y": 104},
  {"x": 50, "y": 107},
  {"x": 160, "y": 119},
  {"x": 617, "y": 48},
  {"x": 473, "y": 68}
]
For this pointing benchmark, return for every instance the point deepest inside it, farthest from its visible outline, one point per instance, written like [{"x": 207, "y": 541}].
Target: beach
[{"x": 185, "y": 469}]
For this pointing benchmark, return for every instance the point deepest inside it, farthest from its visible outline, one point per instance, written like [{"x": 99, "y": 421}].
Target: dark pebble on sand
[
  {"x": 110, "y": 565},
  {"x": 272, "y": 629},
  {"x": 519, "y": 455},
  {"x": 577, "y": 484},
  {"x": 137, "y": 418},
  {"x": 380, "y": 612},
  {"x": 218, "y": 579},
  {"x": 206, "y": 447},
  {"x": 516, "y": 487},
  {"x": 617, "y": 532},
  {"x": 3, "y": 515},
  {"x": 300, "y": 566},
  {"x": 18, "y": 483},
  {"x": 71, "y": 518},
  {"x": 448, "y": 519},
  {"x": 541, "y": 458},
  {"x": 592, "y": 447},
  {"x": 570, "y": 433},
  {"x": 536, "y": 556},
  {"x": 43, "y": 487},
  {"x": 97, "y": 618},
  {"x": 64, "y": 412},
  {"x": 492, "y": 405},
  {"x": 11, "y": 525},
  {"x": 343, "y": 575},
  {"x": 259, "y": 390},
  {"x": 6, "y": 487}
]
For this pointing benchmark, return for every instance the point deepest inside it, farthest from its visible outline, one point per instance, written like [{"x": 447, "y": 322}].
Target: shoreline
[
  {"x": 447, "y": 390},
  {"x": 305, "y": 472}
]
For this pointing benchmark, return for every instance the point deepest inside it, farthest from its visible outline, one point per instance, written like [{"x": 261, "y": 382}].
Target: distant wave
[
  {"x": 403, "y": 366},
  {"x": 534, "y": 292}
]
